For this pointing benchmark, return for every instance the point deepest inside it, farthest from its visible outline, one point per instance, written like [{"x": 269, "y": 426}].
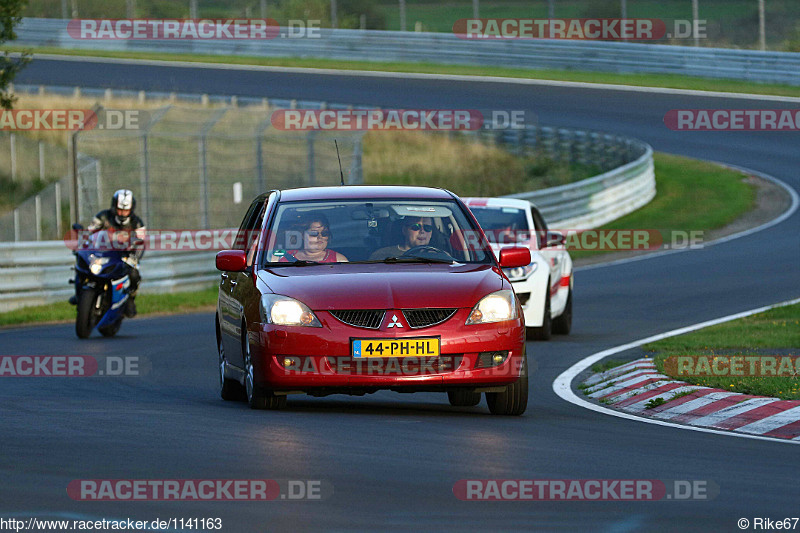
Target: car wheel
[
  {"x": 229, "y": 389},
  {"x": 257, "y": 397},
  {"x": 110, "y": 331},
  {"x": 544, "y": 332},
  {"x": 463, "y": 398},
  {"x": 514, "y": 400},
  {"x": 563, "y": 323}
]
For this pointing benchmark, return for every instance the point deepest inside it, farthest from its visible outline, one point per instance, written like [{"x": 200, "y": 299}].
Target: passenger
[
  {"x": 316, "y": 236},
  {"x": 417, "y": 231}
]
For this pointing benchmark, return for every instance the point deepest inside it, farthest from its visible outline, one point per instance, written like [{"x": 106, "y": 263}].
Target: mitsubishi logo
[{"x": 394, "y": 323}]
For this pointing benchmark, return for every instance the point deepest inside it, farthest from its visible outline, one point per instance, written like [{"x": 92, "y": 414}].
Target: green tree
[{"x": 10, "y": 16}]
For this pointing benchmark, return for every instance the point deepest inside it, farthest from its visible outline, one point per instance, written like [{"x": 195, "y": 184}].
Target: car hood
[{"x": 381, "y": 286}]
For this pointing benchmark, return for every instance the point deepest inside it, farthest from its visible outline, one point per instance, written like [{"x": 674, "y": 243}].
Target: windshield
[
  {"x": 503, "y": 225},
  {"x": 376, "y": 231}
]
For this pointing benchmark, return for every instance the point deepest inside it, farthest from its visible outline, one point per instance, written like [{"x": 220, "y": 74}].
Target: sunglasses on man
[{"x": 417, "y": 227}]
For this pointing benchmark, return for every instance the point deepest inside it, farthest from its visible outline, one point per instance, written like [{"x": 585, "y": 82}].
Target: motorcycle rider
[{"x": 121, "y": 217}]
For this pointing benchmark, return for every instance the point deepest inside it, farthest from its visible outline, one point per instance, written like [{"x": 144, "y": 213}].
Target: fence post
[
  {"x": 13, "y": 145},
  {"x": 201, "y": 148},
  {"x": 41, "y": 161},
  {"x": 312, "y": 178},
  {"x": 74, "y": 213},
  {"x": 144, "y": 179},
  {"x": 99, "y": 179},
  {"x": 16, "y": 225},
  {"x": 59, "y": 227},
  {"x": 356, "y": 177},
  {"x": 37, "y": 207}
]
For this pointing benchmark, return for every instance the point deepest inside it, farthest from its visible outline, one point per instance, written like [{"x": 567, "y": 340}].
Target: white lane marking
[
  {"x": 773, "y": 422},
  {"x": 562, "y": 385},
  {"x": 422, "y": 76},
  {"x": 718, "y": 417},
  {"x": 786, "y": 214},
  {"x": 693, "y": 404}
]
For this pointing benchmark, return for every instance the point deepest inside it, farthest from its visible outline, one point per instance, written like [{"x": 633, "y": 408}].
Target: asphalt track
[{"x": 392, "y": 460}]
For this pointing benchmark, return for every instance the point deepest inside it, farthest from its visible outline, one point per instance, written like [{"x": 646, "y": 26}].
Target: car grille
[
  {"x": 422, "y": 318},
  {"x": 398, "y": 366},
  {"x": 360, "y": 318}
]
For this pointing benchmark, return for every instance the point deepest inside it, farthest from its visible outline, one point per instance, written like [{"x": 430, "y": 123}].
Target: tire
[
  {"x": 257, "y": 397},
  {"x": 514, "y": 400},
  {"x": 544, "y": 332},
  {"x": 229, "y": 389},
  {"x": 463, "y": 398},
  {"x": 110, "y": 331},
  {"x": 562, "y": 325},
  {"x": 85, "y": 319}
]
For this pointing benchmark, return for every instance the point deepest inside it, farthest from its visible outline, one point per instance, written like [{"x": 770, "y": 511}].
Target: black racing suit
[{"x": 106, "y": 220}]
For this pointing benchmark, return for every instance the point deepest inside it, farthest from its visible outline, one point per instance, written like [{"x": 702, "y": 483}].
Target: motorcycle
[{"x": 102, "y": 278}]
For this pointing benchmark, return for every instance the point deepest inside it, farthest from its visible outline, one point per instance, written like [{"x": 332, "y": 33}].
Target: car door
[
  {"x": 552, "y": 255},
  {"x": 229, "y": 307},
  {"x": 244, "y": 292}
]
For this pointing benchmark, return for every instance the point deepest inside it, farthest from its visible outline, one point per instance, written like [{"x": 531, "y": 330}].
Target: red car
[{"x": 361, "y": 288}]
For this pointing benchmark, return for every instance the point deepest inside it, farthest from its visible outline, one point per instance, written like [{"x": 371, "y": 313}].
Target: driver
[
  {"x": 417, "y": 231},
  {"x": 121, "y": 218}
]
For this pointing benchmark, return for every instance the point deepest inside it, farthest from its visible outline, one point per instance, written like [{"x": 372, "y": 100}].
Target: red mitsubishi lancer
[{"x": 351, "y": 290}]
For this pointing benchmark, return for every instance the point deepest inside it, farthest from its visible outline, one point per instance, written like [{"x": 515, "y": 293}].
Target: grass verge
[
  {"x": 641, "y": 80},
  {"x": 776, "y": 329},
  {"x": 146, "y": 304},
  {"x": 692, "y": 196}
]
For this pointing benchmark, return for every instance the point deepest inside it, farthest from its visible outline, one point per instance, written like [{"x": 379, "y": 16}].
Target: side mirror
[
  {"x": 515, "y": 257},
  {"x": 232, "y": 261},
  {"x": 555, "y": 238}
]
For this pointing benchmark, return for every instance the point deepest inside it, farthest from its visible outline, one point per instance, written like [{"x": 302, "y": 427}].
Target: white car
[{"x": 544, "y": 286}]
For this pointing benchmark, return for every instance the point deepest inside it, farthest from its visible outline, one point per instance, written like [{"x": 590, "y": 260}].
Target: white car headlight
[
  {"x": 495, "y": 307},
  {"x": 285, "y": 311},
  {"x": 96, "y": 264},
  {"x": 519, "y": 273}
]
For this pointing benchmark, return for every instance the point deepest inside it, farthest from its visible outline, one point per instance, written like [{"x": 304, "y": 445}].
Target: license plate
[{"x": 395, "y": 348}]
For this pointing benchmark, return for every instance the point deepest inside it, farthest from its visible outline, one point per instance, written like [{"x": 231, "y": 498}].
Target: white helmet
[{"x": 123, "y": 199}]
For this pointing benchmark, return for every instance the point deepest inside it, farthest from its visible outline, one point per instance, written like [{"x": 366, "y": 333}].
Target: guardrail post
[
  {"x": 356, "y": 170},
  {"x": 201, "y": 148},
  {"x": 99, "y": 180},
  {"x": 74, "y": 214}
]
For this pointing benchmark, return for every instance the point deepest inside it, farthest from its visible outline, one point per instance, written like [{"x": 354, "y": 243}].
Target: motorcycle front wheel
[{"x": 85, "y": 321}]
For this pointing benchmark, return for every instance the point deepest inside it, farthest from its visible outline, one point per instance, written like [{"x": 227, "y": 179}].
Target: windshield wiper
[
  {"x": 299, "y": 262},
  {"x": 416, "y": 259}
]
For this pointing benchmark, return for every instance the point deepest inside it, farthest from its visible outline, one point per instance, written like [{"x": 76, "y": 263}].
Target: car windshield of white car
[
  {"x": 503, "y": 225},
  {"x": 388, "y": 231}
]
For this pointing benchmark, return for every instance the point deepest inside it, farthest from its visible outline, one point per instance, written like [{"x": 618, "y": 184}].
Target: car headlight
[
  {"x": 495, "y": 307},
  {"x": 96, "y": 264},
  {"x": 285, "y": 311},
  {"x": 520, "y": 272}
]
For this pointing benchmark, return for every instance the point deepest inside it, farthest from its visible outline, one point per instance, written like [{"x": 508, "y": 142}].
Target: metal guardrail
[
  {"x": 35, "y": 273},
  {"x": 388, "y": 46}
]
